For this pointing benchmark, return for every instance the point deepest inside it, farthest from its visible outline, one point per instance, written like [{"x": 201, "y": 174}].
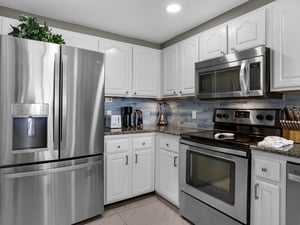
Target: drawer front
[
  {"x": 117, "y": 145},
  {"x": 169, "y": 144},
  {"x": 267, "y": 169},
  {"x": 142, "y": 143}
]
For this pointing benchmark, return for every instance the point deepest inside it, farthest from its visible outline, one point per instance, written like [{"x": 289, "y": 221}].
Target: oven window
[{"x": 212, "y": 175}]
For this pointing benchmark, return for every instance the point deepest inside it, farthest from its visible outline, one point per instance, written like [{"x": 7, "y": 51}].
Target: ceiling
[{"x": 141, "y": 19}]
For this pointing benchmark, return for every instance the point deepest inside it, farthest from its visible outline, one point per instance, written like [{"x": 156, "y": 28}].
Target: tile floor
[{"x": 146, "y": 210}]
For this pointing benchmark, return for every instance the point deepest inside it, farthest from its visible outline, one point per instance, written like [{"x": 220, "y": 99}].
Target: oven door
[{"x": 215, "y": 177}]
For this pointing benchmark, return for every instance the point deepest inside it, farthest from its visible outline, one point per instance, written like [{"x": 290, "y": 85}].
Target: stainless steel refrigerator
[{"x": 51, "y": 133}]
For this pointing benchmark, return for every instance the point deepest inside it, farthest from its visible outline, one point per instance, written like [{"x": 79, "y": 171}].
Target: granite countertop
[
  {"x": 292, "y": 150},
  {"x": 170, "y": 129}
]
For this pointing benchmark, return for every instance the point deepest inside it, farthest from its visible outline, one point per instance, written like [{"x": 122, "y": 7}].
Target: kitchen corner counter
[
  {"x": 291, "y": 151},
  {"x": 170, "y": 129}
]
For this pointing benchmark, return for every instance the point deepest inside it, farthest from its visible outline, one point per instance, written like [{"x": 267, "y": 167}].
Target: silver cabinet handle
[
  {"x": 256, "y": 191},
  {"x": 143, "y": 143},
  {"x": 174, "y": 92},
  {"x": 134, "y": 93},
  {"x": 167, "y": 145},
  {"x": 180, "y": 92},
  {"x": 126, "y": 161},
  {"x": 118, "y": 146},
  {"x": 264, "y": 169},
  {"x": 136, "y": 158},
  {"x": 175, "y": 159},
  {"x": 126, "y": 92}
]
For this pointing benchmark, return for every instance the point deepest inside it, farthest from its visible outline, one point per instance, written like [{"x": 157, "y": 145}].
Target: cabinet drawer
[
  {"x": 267, "y": 169},
  {"x": 142, "y": 143},
  {"x": 168, "y": 144},
  {"x": 117, "y": 145}
]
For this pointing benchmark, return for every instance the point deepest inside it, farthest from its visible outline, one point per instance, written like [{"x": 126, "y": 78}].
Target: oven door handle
[{"x": 193, "y": 147}]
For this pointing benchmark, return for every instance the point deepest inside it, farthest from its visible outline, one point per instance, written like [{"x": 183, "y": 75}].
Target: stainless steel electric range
[{"x": 215, "y": 168}]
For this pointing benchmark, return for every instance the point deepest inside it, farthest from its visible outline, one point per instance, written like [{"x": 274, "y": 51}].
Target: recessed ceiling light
[{"x": 173, "y": 8}]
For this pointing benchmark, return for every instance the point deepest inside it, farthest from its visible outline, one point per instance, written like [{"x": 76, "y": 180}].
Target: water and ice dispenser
[{"x": 30, "y": 126}]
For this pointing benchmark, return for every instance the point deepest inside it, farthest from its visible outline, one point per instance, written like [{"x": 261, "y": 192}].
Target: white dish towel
[{"x": 275, "y": 142}]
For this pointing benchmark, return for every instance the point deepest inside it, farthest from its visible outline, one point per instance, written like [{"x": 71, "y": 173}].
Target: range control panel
[{"x": 264, "y": 117}]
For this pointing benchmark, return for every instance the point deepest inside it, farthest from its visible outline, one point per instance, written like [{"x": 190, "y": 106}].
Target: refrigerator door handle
[
  {"x": 64, "y": 97},
  {"x": 56, "y": 103},
  {"x": 50, "y": 171}
]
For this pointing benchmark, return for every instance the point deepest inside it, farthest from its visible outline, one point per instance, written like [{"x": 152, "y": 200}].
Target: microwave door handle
[{"x": 243, "y": 80}]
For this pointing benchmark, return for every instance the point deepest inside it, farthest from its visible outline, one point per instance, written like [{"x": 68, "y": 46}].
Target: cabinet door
[
  {"x": 5, "y": 24},
  {"x": 118, "y": 177},
  {"x": 168, "y": 175},
  {"x": 266, "y": 204},
  {"x": 118, "y": 67},
  {"x": 247, "y": 31},
  {"x": 286, "y": 48},
  {"x": 146, "y": 72},
  {"x": 213, "y": 43},
  {"x": 78, "y": 40},
  {"x": 187, "y": 57},
  {"x": 143, "y": 172},
  {"x": 169, "y": 71}
]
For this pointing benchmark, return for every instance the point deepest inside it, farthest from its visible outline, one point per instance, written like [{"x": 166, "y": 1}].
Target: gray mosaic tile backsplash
[{"x": 180, "y": 110}]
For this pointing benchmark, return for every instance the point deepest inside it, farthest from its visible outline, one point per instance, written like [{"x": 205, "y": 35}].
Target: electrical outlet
[
  {"x": 108, "y": 112},
  {"x": 194, "y": 115},
  {"x": 108, "y": 99}
]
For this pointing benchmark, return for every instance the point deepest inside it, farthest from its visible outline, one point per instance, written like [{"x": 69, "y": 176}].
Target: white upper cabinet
[
  {"x": 78, "y": 40},
  {"x": 169, "y": 71},
  {"x": 146, "y": 72},
  {"x": 5, "y": 24},
  {"x": 247, "y": 31},
  {"x": 286, "y": 48},
  {"x": 213, "y": 43},
  {"x": 187, "y": 57},
  {"x": 118, "y": 67}
]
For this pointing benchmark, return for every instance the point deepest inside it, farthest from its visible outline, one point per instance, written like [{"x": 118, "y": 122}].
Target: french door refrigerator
[{"x": 51, "y": 133}]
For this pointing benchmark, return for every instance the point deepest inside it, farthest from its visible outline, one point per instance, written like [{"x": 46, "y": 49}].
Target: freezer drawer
[{"x": 53, "y": 193}]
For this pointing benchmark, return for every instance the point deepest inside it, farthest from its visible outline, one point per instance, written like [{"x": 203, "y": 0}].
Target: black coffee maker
[{"x": 126, "y": 113}]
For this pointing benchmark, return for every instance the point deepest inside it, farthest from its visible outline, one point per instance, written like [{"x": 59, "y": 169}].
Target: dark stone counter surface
[
  {"x": 292, "y": 151},
  {"x": 170, "y": 129}
]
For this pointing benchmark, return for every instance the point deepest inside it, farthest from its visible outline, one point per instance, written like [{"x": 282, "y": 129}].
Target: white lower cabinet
[
  {"x": 266, "y": 204},
  {"x": 129, "y": 166},
  {"x": 117, "y": 176},
  {"x": 167, "y": 185},
  {"x": 268, "y": 189}
]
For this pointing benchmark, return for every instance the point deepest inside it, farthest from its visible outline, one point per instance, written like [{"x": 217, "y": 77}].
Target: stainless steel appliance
[
  {"x": 214, "y": 168},
  {"x": 162, "y": 115},
  {"x": 240, "y": 74},
  {"x": 51, "y": 133},
  {"x": 126, "y": 114},
  {"x": 138, "y": 119},
  {"x": 292, "y": 193}
]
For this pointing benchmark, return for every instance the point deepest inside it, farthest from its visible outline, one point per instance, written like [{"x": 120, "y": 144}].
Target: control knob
[
  {"x": 269, "y": 117},
  {"x": 219, "y": 115},
  {"x": 260, "y": 117}
]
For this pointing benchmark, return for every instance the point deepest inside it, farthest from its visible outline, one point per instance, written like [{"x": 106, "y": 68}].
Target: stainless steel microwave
[{"x": 241, "y": 74}]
